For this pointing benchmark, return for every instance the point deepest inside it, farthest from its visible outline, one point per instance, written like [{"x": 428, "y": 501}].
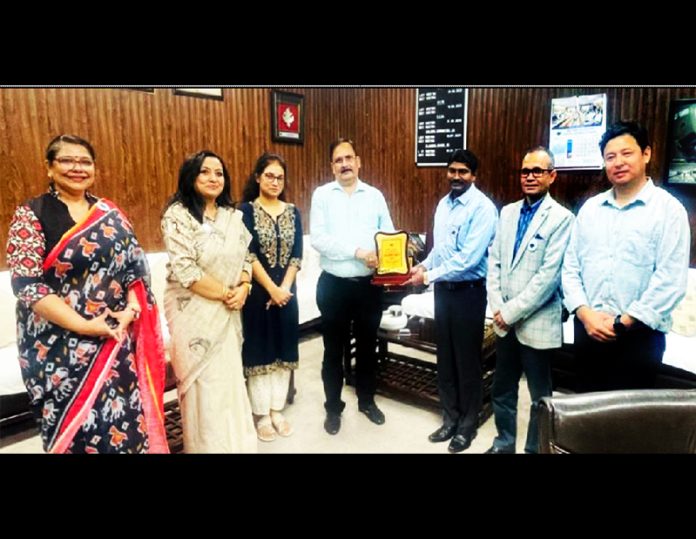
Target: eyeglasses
[
  {"x": 270, "y": 177},
  {"x": 461, "y": 171},
  {"x": 346, "y": 159},
  {"x": 537, "y": 172},
  {"x": 69, "y": 163}
]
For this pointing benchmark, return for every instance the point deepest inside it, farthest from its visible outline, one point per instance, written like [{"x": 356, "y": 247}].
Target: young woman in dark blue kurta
[{"x": 270, "y": 316}]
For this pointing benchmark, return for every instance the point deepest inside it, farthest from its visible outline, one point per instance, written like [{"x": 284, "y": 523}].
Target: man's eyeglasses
[
  {"x": 71, "y": 162},
  {"x": 461, "y": 171},
  {"x": 270, "y": 177},
  {"x": 537, "y": 172},
  {"x": 346, "y": 159}
]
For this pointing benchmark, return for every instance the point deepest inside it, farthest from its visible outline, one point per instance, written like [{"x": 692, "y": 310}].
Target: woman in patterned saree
[
  {"x": 271, "y": 316},
  {"x": 88, "y": 335},
  {"x": 208, "y": 281}
]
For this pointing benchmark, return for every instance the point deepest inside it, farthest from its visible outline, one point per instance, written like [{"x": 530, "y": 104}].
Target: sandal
[
  {"x": 264, "y": 430},
  {"x": 281, "y": 424}
]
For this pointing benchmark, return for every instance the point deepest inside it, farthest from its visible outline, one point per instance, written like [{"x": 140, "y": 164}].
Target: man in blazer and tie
[{"x": 524, "y": 295}]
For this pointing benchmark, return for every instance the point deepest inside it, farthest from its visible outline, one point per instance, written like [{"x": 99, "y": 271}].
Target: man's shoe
[
  {"x": 495, "y": 450},
  {"x": 461, "y": 442},
  {"x": 332, "y": 423},
  {"x": 442, "y": 434},
  {"x": 373, "y": 413}
]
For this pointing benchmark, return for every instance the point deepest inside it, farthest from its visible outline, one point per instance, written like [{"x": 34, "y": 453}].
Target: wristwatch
[{"x": 619, "y": 327}]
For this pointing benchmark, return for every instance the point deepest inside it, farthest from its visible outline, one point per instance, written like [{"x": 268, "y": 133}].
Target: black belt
[
  {"x": 358, "y": 279},
  {"x": 361, "y": 279},
  {"x": 459, "y": 285}
]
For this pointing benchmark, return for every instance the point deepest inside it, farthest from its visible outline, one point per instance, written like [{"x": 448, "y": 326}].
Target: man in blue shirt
[
  {"x": 345, "y": 216},
  {"x": 465, "y": 221},
  {"x": 625, "y": 269},
  {"x": 524, "y": 282}
]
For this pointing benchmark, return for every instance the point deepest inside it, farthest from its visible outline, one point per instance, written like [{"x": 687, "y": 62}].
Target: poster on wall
[
  {"x": 681, "y": 145},
  {"x": 577, "y": 125},
  {"x": 440, "y": 124}
]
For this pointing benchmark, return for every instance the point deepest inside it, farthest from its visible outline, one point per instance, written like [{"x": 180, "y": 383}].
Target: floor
[{"x": 405, "y": 431}]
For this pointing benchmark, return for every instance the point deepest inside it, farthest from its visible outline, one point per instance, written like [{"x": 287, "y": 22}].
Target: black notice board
[{"x": 440, "y": 124}]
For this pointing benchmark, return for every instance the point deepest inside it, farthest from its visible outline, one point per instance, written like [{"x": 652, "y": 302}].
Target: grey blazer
[{"x": 527, "y": 290}]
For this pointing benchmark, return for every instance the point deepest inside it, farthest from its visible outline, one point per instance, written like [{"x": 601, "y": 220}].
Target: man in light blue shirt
[
  {"x": 625, "y": 269},
  {"x": 465, "y": 221},
  {"x": 345, "y": 216}
]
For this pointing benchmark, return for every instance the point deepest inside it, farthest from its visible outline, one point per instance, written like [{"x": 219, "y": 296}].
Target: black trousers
[
  {"x": 340, "y": 301},
  {"x": 629, "y": 362},
  {"x": 459, "y": 320}
]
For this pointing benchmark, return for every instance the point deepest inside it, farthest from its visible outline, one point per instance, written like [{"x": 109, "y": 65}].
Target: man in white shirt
[{"x": 344, "y": 218}]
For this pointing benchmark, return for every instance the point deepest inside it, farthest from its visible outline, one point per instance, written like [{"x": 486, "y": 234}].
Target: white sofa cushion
[
  {"x": 11, "y": 381},
  {"x": 8, "y": 302},
  {"x": 307, "y": 279},
  {"x": 158, "y": 280},
  {"x": 684, "y": 316}
]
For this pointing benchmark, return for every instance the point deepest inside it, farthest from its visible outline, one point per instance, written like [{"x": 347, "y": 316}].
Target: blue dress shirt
[
  {"x": 527, "y": 212},
  {"x": 632, "y": 259},
  {"x": 463, "y": 231}
]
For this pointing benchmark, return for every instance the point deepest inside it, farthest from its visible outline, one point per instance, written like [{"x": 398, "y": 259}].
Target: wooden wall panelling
[{"x": 141, "y": 139}]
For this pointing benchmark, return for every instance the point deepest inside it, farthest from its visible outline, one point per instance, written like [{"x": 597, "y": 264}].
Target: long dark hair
[
  {"x": 186, "y": 191},
  {"x": 252, "y": 188}
]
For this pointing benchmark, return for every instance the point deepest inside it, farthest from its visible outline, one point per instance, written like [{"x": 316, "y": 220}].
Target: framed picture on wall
[
  {"x": 681, "y": 143},
  {"x": 208, "y": 93},
  {"x": 287, "y": 117}
]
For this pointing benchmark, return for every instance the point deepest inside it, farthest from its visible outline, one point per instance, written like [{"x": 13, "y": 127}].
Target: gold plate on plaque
[{"x": 392, "y": 252}]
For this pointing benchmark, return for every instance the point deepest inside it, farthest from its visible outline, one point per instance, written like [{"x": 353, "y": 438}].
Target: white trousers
[{"x": 268, "y": 391}]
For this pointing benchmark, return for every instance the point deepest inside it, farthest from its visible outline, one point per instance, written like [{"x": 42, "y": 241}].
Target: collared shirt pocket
[
  {"x": 638, "y": 248},
  {"x": 452, "y": 234}
]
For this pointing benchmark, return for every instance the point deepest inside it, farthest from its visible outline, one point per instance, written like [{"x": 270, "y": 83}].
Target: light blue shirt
[
  {"x": 630, "y": 260},
  {"x": 341, "y": 223},
  {"x": 464, "y": 229}
]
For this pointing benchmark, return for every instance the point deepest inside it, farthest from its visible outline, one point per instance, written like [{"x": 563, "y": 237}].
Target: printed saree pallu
[{"x": 96, "y": 395}]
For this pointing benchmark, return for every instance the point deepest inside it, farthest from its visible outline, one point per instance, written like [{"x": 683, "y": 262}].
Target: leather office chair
[{"x": 630, "y": 421}]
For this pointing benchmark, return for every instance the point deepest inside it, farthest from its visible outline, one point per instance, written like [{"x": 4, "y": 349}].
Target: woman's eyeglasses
[
  {"x": 270, "y": 177},
  {"x": 71, "y": 162}
]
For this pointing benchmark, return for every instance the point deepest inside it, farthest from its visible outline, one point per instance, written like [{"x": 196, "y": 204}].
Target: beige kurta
[{"x": 206, "y": 336}]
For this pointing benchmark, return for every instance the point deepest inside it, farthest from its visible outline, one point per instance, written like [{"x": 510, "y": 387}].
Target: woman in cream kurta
[{"x": 207, "y": 284}]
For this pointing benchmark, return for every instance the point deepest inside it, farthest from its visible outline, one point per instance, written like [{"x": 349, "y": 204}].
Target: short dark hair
[
  {"x": 252, "y": 189},
  {"x": 625, "y": 127},
  {"x": 464, "y": 156},
  {"x": 339, "y": 141},
  {"x": 186, "y": 191},
  {"x": 543, "y": 149},
  {"x": 55, "y": 145}
]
